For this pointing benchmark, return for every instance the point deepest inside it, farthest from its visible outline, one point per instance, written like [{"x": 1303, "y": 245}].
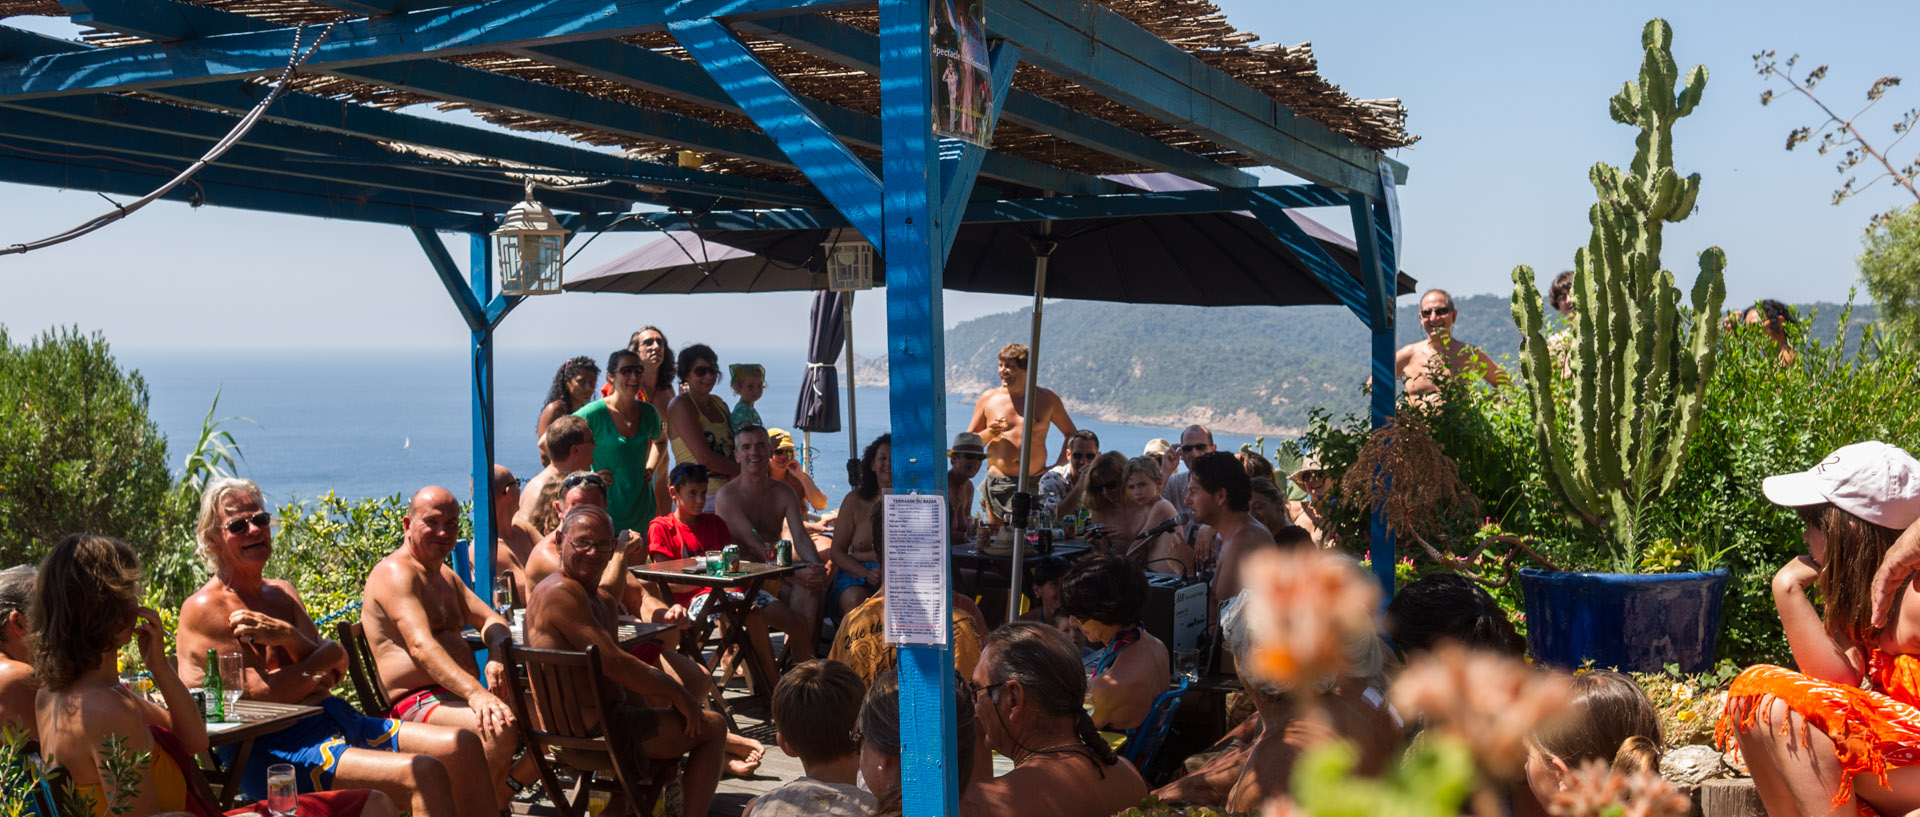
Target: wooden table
[
  {"x": 246, "y": 721},
  {"x": 1000, "y": 566},
  {"x": 723, "y": 611}
]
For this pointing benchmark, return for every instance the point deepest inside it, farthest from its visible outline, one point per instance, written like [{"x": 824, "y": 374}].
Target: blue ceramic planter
[{"x": 1622, "y": 620}]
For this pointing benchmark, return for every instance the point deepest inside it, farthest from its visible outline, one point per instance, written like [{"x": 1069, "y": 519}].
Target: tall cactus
[{"x": 1640, "y": 365}]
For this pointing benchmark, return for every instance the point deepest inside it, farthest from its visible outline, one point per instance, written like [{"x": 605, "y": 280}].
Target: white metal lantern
[
  {"x": 529, "y": 248},
  {"x": 849, "y": 265}
]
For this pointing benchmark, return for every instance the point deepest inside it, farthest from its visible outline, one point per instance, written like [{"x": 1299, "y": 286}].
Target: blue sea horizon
[{"x": 365, "y": 423}]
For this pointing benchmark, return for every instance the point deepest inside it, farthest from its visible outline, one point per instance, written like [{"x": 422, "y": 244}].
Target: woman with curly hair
[
  {"x": 572, "y": 388},
  {"x": 85, "y": 607}
]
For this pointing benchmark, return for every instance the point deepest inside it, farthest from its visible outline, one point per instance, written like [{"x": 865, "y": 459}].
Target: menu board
[{"x": 918, "y": 601}]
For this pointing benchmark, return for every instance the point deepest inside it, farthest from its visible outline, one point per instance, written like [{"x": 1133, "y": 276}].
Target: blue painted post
[
  {"x": 480, "y": 277},
  {"x": 910, "y": 166},
  {"x": 1374, "y": 239}
]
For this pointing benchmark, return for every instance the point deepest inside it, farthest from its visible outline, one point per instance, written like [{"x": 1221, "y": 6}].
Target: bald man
[
  {"x": 414, "y": 609},
  {"x": 1439, "y": 353}
]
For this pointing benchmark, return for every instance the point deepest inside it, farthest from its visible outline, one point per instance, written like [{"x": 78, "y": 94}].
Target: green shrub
[{"x": 77, "y": 451}]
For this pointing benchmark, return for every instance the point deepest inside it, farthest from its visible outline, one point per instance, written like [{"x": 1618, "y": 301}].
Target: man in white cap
[{"x": 964, "y": 459}]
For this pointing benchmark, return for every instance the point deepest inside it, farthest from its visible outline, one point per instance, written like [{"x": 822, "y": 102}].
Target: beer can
[
  {"x": 730, "y": 556},
  {"x": 783, "y": 553}
]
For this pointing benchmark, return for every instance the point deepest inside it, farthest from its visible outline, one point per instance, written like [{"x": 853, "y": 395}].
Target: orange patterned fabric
[{"x": 1873, "y": 729}]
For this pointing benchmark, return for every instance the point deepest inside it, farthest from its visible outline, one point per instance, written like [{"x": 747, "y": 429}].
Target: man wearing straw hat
[{"x": 964, "y": 459}]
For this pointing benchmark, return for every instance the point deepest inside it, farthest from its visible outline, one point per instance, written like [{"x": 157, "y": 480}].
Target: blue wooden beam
[
  {"x": 827, "y": 162},
  {"x": 646, "y": 69},
  {"x": 958, "y": 174},
  {"x": 1315, "y": 258},
  {"x": 480, "y": 280},
  {"x": 1097, "y": 48},
  {"x": 19, "y": 44},
  {"x": 1374, "y": 241},
  {"x": 915, "y": 329},
  {"x": 450, "y": 277},
  {"x": 227, "y": 189},
  {"x": 417, "y": 35},
  {"x": 163, "y": 21},
  {"x": 850, "y": 47}
]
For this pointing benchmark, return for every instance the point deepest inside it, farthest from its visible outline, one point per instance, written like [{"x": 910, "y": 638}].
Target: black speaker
[{"x": 1176, "y": 611}]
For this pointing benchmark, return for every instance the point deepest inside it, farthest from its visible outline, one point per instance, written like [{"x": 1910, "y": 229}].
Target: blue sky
[{"x": 1510, "y": 99}]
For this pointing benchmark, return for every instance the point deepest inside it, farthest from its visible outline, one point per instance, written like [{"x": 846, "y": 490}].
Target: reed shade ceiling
[{"x": 1288, "y": 74}]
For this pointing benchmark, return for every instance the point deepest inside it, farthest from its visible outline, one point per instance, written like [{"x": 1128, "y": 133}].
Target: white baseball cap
[{"x": 1872, "y": 480}]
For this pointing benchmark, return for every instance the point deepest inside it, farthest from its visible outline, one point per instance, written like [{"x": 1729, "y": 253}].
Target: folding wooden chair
[
  {"x": 544, "y": 687},
  {"x": 362, "y": 669}
]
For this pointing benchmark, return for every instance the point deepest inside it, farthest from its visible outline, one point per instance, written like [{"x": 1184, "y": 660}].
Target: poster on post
[
  {"x": 962, "y": 76},
  {"x": 916, "y": 569}
]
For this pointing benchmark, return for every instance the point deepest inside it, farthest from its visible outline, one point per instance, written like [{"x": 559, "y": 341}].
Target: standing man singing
[{"x": 999, "y": 418}]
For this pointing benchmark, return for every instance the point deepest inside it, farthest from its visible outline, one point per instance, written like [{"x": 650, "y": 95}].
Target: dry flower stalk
[
  {"x": 1306, "y": 608},
  {"x": 1594, "y": 790},
  {"x": 1489, "y": 701}
]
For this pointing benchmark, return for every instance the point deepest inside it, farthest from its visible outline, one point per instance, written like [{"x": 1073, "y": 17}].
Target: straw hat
[
  {"x": 1309, "y": 463},
  {"x": 1157, "y": 447}
]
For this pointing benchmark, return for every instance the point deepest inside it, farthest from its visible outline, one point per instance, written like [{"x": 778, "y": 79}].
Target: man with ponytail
[{"x": 1027, "y": 690}]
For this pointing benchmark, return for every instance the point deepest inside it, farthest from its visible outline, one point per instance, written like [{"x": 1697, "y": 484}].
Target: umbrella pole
[
  {"x": 853, "y": 416},
  {"x": 1043, "y": 247}
]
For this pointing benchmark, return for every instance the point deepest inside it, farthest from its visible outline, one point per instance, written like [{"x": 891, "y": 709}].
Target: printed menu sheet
[{"x": 918, "y": 600}]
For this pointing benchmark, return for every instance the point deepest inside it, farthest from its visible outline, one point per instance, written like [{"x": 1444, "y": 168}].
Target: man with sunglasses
[
  {"x": 1439, "y": 353},
  {"x": 964, "y": 459},
  {"x": 999, "y": 419},
  {"x": 1063, "y": 487},
  {"x": 1195, "y": 442}
]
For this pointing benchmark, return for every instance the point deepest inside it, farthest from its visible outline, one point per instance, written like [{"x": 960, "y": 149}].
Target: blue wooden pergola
[{"x": 121, "y": 113}]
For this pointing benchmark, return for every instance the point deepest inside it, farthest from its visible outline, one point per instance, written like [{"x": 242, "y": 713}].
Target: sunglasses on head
[
  {"x": 258, "y": 520},
  {"x": 1436, "y": 312},
  {"x": 578, "y": 480},
  {"x": 1195, "y": 448}
]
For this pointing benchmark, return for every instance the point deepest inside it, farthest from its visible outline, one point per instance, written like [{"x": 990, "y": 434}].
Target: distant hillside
[{"x": 1242, "y": 369}]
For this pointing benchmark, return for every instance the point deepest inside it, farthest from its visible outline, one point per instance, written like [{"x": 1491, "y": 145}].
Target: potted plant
[{"x": 1613, "y": 412}]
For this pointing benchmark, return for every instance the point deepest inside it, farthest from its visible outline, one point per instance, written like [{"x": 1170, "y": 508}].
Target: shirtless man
[
  {"x": 1219, "y": 495},
  {"x": 758, "y": 512},
  {"x": 568, "y": 611},
  {"x": 1416, "y": 362},
  {"x": 570, "y": 448},
  {"x": 997, "y": 418},
  {"x": 288, "y": 662},
  {"x": 964, "y": 459},
  {"x": 511, "y": 542},
  {"x": 414, "y": 608}
]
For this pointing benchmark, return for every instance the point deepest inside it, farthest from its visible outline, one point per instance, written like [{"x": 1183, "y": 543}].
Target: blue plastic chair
[{"x": 1144, "y": 741}]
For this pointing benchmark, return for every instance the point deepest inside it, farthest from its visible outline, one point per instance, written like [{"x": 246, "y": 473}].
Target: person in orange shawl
[{"x": 1842, "y": 735}]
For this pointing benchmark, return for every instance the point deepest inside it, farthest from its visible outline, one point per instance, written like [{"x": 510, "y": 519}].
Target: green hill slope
[{"x": 1245, "y": 369}]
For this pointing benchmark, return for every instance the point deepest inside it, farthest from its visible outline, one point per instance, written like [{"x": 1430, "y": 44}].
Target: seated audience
[
  {"x": 570, "y": 446},
  {"x": 287, "y": 660},
  {"x": 861, "y": 642},
  {"x": 1028, "y": 689},
  {"x": 1104, "y": 594},
  {"x": 1219, "y": 494},
  {"x": 572, "y": 388},
  {"x": 1063, "y": 488},
  {"x": 816, "y": 710},
  {"x": 1124, "y": 498},
  {"x": 414, "y": 609},
  {"x": 512, "y": 543},
  {"x": 857, "y": 567},
  {"x": 759, "y": 512},
  {"x": 1609, "y": 719},
  {"x": 1442, "y": 607},
  {"x": 568, "y": 610},
  {"x": 85, "y": 607},
  {"x": 1842, "y": 733},
  {"x": 17, "y": 686},
  {"x": 879, "y": 739},
  {"x": 702, "y": 429},
  {"x": 964, "y": 460},
  {"x": 1350, "y": 708},
  {"x": 686, "y": 533}
]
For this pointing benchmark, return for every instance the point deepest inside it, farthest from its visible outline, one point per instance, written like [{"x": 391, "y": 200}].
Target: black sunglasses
[
  {"x": 1101, "y": 488},
  {"x": 578, "y": 480},
  {"x": 1085, "y": 455},
  {"x": 623, "y": 371},
  {"x": 1436, "y": 311},
  {"x": 703, "y": 371},
  {"x": 258, "y": 520},
  {"x": 1195, "y": 448}
]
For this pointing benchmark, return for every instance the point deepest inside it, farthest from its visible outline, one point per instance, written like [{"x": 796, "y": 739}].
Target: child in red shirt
[{"x": 686, "y": 532}]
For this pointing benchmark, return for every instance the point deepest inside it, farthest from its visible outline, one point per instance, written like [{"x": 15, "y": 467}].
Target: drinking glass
[
  {"x": 503, "y": 594},
  {"x": 1087, "y": 702},
  {"x": 1186, "y": 664},
  {"x": 232, "y": 669},
  {"x": 282, "y": 798},
  {"x": 597, "y": 802},
  {"x": 716, "y": 565}
]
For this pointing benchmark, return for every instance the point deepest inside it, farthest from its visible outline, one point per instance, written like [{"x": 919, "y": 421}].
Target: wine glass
[{"x": 503, "y": 594}]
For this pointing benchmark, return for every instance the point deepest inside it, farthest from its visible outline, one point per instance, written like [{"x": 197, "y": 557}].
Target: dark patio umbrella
[{"x": 829, "y": 329}]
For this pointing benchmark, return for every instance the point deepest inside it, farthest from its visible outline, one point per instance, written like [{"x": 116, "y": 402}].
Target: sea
[{"x": 366, "y": 423}]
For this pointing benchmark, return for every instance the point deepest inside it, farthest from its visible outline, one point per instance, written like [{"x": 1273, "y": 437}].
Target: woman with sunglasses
[
  {"x": 702, "y": 428},
  {"x": 1124, "y": 498},
  {"x": 625, "y": 430}
]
